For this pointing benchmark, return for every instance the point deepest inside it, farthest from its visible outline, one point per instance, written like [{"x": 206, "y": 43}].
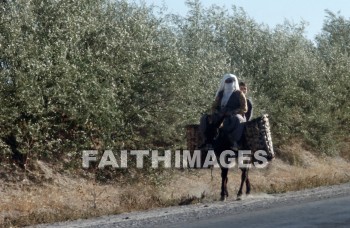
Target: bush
[{"x": 102, "y": 74}]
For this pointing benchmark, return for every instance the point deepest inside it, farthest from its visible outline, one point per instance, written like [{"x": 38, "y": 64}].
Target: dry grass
[
  {"x": 66, "y": 198},
  {"x": 344, "y": 149}
]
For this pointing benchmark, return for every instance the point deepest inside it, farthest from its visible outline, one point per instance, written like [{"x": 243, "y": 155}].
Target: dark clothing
[
  {"x": 232, "y": 123},
  {"x": 236, "y": 104},
  {"x": 208, "y": 127},
  {"x": 232, "y": 104},
  {"x": 249, "y": 113},
  {"x": 233, "y": 127},
  {"x": 230, "y": 117}
]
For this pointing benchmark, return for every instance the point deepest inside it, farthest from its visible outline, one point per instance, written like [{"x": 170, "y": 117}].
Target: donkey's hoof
[
  {"x": 239, "y": 196},
  {"x": 223, "y": 198}
]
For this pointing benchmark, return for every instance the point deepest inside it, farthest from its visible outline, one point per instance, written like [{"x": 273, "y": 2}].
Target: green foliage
[
  {"x": 333, "y": 45},
  {"x": 106, "y": 74}
]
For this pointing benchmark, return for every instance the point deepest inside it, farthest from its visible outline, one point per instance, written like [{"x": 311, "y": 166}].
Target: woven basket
[
  {"x": 194, "y": 141},
  {"x": 258, "y": 135},
  {"x": 193, "y": 137}
]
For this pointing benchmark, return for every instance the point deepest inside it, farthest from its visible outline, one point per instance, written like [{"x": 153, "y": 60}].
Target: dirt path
[{"x": 181, "y": 214}]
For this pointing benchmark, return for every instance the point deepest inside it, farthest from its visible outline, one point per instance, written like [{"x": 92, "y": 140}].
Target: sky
[{"x": 273, "y": 12}]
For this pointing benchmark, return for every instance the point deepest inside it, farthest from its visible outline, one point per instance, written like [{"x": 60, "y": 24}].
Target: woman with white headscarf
[
  {"x": 228, "y": 110},
  {"x": 229, "y": 99}
]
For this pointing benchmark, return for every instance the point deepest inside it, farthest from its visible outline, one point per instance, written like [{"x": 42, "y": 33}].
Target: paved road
[
  {"x": 333, "y": 212},
  {"x": 320, "y": 207}
]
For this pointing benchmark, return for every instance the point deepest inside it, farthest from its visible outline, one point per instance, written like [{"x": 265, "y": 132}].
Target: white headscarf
[{"x": 228, "y": 88}]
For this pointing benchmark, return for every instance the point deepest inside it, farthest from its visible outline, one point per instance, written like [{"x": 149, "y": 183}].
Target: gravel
[{"x": 188, "y": 213}]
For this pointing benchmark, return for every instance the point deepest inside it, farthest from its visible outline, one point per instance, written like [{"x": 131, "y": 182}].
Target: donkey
[
  {"x": 256, "y": 136},
  {"x": 221, "y": 144}
]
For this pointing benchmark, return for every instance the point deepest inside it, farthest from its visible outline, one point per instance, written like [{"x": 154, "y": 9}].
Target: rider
[{"x": 228, "y": 112}]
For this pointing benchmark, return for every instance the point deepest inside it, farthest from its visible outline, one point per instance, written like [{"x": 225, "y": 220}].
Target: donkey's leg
[
  {"x": 224, "y": 179},
  {"x": 247, "y": 182},
  {"x": 243, "y": 180}
]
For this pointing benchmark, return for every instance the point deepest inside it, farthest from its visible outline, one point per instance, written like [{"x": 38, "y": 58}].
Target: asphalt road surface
[
  {"x": 333, "y": 212},
  {"x": 320, "y": 207}
]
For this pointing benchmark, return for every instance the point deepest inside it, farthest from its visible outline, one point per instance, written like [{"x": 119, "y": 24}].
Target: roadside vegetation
[{"x": 101, "y": 74}]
